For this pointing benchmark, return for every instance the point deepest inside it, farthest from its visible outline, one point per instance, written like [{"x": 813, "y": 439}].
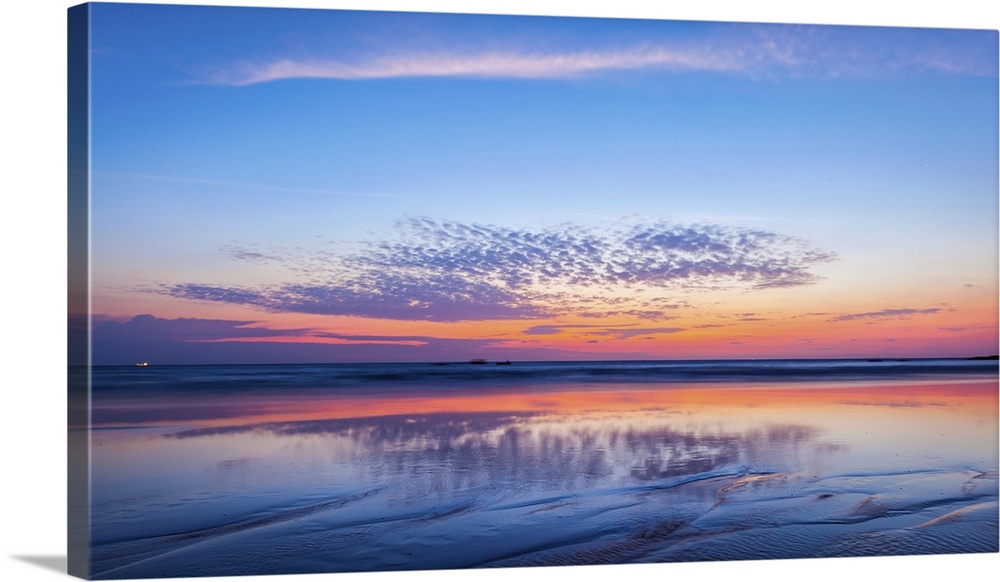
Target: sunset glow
[{"x": 539, "y": 189}]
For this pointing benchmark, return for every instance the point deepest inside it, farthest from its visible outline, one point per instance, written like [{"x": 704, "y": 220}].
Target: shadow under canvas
[{"x": 55, "y": 563}]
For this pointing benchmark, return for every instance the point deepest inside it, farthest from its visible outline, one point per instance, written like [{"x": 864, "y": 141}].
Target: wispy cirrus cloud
[
  {"x": 615, "y": 332},
  {"x": 510, "y": 64},
  {"x": 622, "y": 334},
  {"x": 968, "y": 328},
  {"x": 555, "y": 329},
  {"x": 449, "y": 271},
  {"x": 756, "y": 50},
  {"x": 903, "y": 313},
  {"x": 651, "y": 314}
]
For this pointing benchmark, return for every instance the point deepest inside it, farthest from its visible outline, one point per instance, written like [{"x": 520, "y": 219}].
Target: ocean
[{"x": 277, "y": 469}]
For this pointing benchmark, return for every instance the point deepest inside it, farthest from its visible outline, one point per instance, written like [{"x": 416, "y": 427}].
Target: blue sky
[
  {"x": 260, "y": 158},
  {"x": 745, "y": 132}
]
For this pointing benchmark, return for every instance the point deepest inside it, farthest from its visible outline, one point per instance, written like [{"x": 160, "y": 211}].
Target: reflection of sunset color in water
[
  {"x": 973, "y": 397},
  {"x": 560, "y": 474}
]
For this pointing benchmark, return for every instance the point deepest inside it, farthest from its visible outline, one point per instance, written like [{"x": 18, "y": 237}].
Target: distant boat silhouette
[
  {"x": 142, "y": 364},
  {"x": 477, "y": 361},
  {"x": 505, "y": 363}
]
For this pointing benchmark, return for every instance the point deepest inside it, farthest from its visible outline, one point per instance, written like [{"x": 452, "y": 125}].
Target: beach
[{"x": 243, "y": 470}]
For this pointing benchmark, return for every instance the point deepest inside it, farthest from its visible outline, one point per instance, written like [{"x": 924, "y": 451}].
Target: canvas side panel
[{"x": 78, "y": 349}]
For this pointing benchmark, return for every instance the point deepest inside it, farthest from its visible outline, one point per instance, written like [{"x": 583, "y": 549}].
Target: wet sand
[{"x": 567, "y": 475}]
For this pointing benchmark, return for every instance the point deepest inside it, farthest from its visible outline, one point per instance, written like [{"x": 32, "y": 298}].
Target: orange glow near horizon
[{"x": 779, "y": 324}]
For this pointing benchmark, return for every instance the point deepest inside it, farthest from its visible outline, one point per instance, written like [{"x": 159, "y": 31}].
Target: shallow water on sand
[{"x": 522, "y": 474}]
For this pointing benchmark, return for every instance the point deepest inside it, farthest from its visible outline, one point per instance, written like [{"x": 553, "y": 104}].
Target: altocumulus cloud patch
[{"x": 449, "y": 271}]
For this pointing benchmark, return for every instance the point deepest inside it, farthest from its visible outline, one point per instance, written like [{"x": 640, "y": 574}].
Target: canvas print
[{"x": 384, "y": 291}]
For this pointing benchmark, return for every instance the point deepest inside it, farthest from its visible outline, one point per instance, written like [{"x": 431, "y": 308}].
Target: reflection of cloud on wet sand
[{"x": 541, "y": 447}]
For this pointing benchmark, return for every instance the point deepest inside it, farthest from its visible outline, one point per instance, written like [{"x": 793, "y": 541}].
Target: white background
[{"x": 33, "y": 310}]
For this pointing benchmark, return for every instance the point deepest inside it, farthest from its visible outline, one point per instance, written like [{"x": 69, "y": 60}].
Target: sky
[{"x": 328, "y": 185}]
